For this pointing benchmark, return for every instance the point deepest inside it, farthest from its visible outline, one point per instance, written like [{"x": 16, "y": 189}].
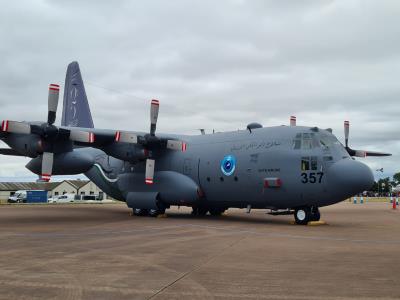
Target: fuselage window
[
  {"x": 314, "y": 163},
  {"x": 305, "y": 163},
  {"x": 309, "y": 163}
]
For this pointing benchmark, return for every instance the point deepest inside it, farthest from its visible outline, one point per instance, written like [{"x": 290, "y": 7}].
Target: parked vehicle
[
  {"x": 86, "y": 197},
  {"x": 23, "y": 196},
  {"x": 66, "y": 198},
  {"x": 18, "y": 197}
]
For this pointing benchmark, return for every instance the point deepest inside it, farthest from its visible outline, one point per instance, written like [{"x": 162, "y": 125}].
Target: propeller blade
[
  {"x": 15, "y": 127},
  {"x": 372, "y": 153},
  {"x": 126, "y": 137},
  {"x": 346, "y": 133},
  {"x": 363, "y": 153},
  {"x": 8, "y": 151},
  {"x": 149, "y": 171},
  {"x": 176, "y": 145},
  {"x": 47, "y": 165},
  {"x": 155, "y": 106},
  {"x": 360, "y": 153},
  {"x": 292, "y": 120},
  {"x": 54, "y": 90},
  {"x": 81, "y": 136}
]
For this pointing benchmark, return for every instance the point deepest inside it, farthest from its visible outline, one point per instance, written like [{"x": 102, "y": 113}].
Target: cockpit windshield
[
  {"x": 306, "y": 141},
  {"x": 327, "y": 140},
  {"x": 311, "y": 140}
]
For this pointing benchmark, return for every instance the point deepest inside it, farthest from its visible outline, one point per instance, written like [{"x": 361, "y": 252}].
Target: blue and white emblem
[{"x": 228, "y": 165}]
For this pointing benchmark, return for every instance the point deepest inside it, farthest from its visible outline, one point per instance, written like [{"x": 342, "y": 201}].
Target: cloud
[{"x": 214, "y": 65}]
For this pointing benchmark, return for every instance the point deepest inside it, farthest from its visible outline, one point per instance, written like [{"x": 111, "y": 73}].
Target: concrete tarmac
[{"x": 100, "y": 252}]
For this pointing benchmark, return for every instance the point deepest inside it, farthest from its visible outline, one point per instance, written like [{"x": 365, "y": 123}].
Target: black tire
[
  {"x": 155, "y": 212},
  {"x": 140, "y": 212},
  {"x": 315, "y": 214},
  {"x": 199, "y": 211},
  {"x": 216, "y": 211},
  {"x": 302, "y": 215}
]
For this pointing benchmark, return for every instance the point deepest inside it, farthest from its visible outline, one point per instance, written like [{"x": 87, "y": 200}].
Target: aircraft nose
[{"x": 349, "y": 177}]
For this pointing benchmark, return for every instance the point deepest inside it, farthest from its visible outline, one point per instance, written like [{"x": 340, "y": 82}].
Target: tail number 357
[{"x": 312, "y": 177}]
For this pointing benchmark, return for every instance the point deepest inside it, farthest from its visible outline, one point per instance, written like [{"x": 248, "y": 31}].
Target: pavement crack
[{"x": 197, "y": 267}]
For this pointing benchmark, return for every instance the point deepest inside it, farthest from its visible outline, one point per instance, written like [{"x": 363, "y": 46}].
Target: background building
[{"x": 77, "y": 187}]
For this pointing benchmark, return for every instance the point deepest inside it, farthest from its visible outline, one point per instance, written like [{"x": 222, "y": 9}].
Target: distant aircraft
[{"x": 288, "y": 169}]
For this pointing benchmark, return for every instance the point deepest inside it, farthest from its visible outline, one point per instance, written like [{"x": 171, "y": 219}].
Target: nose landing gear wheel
[{"x": 302, "y": 215}]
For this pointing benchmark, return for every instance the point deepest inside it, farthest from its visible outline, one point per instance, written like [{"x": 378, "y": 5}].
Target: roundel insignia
[{"x": 228, "y": 165}]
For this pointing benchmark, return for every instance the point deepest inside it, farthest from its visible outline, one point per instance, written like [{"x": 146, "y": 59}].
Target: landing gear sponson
[{"x": 303, "y": 215}]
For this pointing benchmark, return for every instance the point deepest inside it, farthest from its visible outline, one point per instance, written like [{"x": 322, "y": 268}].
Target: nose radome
[{"x": 350, "y": 177}]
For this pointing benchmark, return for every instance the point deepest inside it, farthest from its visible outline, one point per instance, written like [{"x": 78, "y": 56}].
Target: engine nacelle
[
  {"x": 74, "y": 162},
  {"x": 26, "y": 145},
  {"x": 126, "y": 152}
]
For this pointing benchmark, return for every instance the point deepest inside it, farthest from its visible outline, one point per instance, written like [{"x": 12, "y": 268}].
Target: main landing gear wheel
[
  {"x": 302, "y": 215},
  {"x": 140, "y": 212},
  {"x": 156, "y": 212},
  {"x": 199, "y": 211},
  {"x": 216, "y": 211},
  {"x": 315, "y": 214}
]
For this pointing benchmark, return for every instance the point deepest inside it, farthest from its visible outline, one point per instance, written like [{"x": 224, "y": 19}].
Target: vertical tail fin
[{"x": 76, "y": 110}]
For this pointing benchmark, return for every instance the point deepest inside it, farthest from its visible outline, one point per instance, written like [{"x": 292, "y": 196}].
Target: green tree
[
  {"x": 383, "y": 185},
  {"x": 396, "y": 178}
]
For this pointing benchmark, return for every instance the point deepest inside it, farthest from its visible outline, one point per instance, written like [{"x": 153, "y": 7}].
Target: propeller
[
  {"x": 292, "y": 120},
  {"x": 154, "y": 108},
  {"x": 150, "y": 141},
  {"x": 149, "y": 171},
  {"x": 358, "y": 153},
  {"x": 48, "y": 133}
]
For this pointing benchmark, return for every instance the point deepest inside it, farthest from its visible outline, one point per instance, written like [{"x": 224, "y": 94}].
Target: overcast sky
[{"x": 212, "y": 64}]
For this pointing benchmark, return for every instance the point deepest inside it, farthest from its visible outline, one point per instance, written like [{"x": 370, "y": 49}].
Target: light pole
[{"x": 379, "y": 185}]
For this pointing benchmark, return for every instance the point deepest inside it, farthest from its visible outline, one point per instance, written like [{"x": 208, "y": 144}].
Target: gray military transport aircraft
[{"x": 287, "y": 169}]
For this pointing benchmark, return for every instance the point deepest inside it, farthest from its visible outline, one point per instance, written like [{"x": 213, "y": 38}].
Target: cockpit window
[
  {"x": 305, "y": 141},
  {"x": 328, "y": 141}
]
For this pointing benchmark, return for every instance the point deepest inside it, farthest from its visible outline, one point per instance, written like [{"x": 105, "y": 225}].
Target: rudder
[{"x": 76, "y": 110}]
